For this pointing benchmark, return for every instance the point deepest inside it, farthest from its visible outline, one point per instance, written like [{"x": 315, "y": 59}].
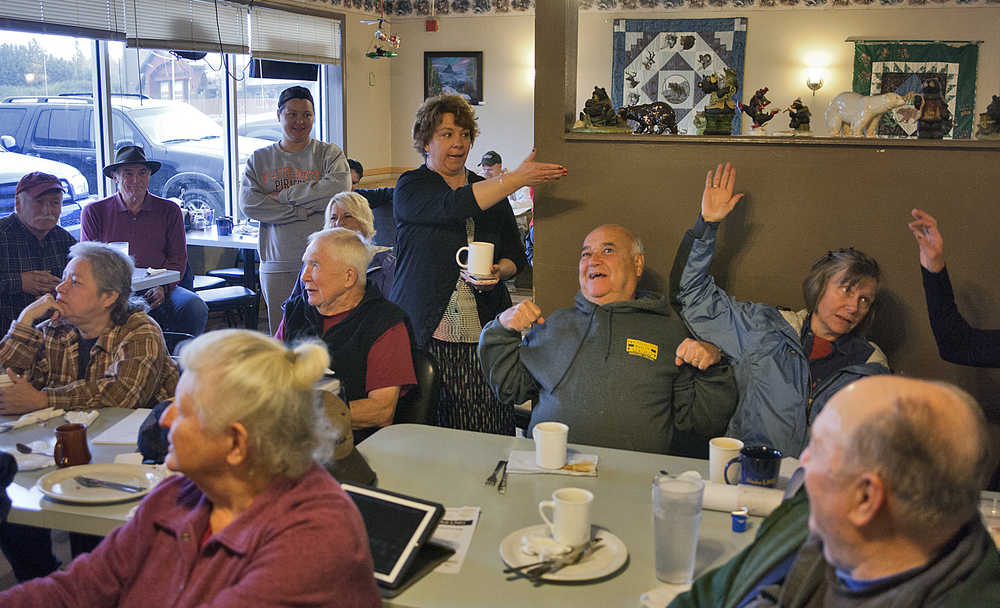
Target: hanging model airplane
[{"x": 384, "y": 43}]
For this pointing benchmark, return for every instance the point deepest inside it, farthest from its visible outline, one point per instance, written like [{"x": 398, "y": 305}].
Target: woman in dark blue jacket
[{"x": 440, "y": 207}]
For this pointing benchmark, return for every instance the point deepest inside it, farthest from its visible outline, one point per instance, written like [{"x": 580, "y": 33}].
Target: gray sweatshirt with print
[{"x": 305, "y": 183}]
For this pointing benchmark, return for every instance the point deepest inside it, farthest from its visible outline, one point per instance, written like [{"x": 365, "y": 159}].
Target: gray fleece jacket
[{"x": 608, "y": 372}]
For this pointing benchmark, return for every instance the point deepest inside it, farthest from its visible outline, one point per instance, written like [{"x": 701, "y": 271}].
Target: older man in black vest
[{"x": 368, "y": 337}]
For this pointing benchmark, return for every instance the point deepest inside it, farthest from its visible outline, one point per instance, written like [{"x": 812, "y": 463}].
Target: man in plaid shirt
[{"x": 33, "y": 247}]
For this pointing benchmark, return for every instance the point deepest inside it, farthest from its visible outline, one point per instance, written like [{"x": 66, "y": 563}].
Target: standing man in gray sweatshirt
[{"x": 286, "y": 187}]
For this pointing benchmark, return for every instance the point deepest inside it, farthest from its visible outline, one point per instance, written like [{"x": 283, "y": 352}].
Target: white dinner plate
[
  {"x": 60, "y": 485},
  {"x": 606, "y": 560}
]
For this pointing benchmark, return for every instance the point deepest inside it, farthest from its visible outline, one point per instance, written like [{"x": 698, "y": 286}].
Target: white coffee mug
[
  {"x": 480, "y": 262},
  {"x": 550, "y": 444},
  {"x": 570, "y": 523},
  {"x": 720, "y": 451}
]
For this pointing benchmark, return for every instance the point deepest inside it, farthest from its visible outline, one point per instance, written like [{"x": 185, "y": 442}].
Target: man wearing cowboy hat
[{"x": 154, "y": 230}]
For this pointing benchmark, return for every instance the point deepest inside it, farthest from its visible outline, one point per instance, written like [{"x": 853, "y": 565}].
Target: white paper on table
[
  {"x": 126, "y": 431},
  {"x": 455, "y": 530},
  {"x": 577, "y": 464},
  {"x": 78, "y": 417},
  {"x": 32, "y": 418},
  {"x": 722, "y": 497},
  {"x": 788, "y": 467},
  {"x": 129, "y": 458}
]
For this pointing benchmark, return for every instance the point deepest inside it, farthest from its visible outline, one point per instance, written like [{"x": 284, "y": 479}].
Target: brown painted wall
[{"x": 801, "y": 200}]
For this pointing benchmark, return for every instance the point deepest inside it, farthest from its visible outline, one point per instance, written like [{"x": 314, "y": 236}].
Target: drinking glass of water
[{"x": 676, "y": 518}]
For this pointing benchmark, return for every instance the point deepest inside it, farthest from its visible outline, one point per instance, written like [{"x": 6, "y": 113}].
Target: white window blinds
[
  {"x": 193, "y": 25},
  {"x": 91, "y": 19},
  {"x": 290, "y": 36}
]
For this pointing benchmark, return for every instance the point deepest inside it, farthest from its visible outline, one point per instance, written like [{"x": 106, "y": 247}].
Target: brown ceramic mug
[{"x": 71, "y": 445}]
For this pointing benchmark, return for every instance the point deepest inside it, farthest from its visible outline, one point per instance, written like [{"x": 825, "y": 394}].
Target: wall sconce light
[{"x": 814, "y": 80}]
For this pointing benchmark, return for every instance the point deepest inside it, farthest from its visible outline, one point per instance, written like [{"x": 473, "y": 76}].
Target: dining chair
[
  {"x": 174, "y": 339},
  {"x": 419, "y": 405}
]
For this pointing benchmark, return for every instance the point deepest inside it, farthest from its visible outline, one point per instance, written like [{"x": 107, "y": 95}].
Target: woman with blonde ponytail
[{"x": 234, "y": 527}]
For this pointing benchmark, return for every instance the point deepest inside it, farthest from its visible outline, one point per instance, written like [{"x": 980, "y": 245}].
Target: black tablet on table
[{"x": 398, "y": 528}]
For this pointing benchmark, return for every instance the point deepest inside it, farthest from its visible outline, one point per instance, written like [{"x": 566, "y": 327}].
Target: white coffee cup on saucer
[
  {"x": 720, "y": 451},
  {"x": 550, "y": 444},
  {"x": 570, "y": 523},
  {"x": 480, "y": 258}
]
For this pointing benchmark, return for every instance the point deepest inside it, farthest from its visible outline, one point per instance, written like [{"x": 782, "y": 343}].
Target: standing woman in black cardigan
[{"x": 440, "y": 207}]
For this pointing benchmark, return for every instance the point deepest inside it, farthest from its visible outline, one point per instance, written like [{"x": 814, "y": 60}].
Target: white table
[
  {"x": 247, "y": 246},
  {"x": 32, "y": 508},
  {"x": 142, "y": 281},
  {"x": 209, "y": 237},
  {"x": 450, "y": 466}
]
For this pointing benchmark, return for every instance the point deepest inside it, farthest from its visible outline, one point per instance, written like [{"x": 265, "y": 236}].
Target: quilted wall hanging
[
  {"x": 664, "y": 59},
  {"x": 903, "y": 67}
]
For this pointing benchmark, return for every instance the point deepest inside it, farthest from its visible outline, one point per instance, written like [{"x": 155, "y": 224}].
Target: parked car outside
[
  {"x": 15, "y": 166},
  {"x": 263, "y": 126},
  {"x": 187, "y": 142}
]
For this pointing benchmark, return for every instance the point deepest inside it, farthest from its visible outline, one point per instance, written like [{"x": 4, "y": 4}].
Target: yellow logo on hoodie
[{"x": 641, "y": 349}]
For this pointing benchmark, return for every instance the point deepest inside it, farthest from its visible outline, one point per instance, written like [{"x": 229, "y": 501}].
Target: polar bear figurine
[{"x": 859, "y": 113}]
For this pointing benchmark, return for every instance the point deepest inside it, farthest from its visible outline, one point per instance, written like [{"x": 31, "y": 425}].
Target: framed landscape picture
[{"x": 458, "y": 72}]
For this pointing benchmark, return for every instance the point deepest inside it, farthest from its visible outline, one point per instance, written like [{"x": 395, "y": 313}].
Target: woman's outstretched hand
[{"x": 533, "y": 173}]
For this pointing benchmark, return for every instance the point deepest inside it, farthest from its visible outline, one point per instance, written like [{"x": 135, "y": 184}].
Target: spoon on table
[{"x": 24, "y": 449}]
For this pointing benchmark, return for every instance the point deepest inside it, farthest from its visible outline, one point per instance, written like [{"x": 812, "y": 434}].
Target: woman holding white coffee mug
[{"x": 441, "y": 207}]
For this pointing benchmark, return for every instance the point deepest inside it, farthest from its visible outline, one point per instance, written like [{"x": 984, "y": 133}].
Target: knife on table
[{"x": 502, "y": 486}]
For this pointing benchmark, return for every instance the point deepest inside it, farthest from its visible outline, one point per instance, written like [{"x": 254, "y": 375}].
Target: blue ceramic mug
[
  {"x": 224, "y": 226},
  {"x": 759, "y": 466}
]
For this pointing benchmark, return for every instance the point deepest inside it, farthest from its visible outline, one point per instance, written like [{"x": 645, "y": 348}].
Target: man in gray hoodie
[{"x": 619, "y": 368}]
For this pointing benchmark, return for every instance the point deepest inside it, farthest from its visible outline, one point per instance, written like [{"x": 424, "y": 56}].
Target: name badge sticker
[{"x": 646, "y": 350}]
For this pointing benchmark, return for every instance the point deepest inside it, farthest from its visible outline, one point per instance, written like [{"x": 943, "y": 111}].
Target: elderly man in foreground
[
  {"x": 616, "y": 367},
  {"x": 368, "y": 336},
  {"x": 892, "y": 474},
  {"x": 33, "y": 247}
]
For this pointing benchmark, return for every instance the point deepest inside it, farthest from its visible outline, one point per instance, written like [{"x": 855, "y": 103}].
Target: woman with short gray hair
[
  {"x": 252, "y": 519},
  {"x": 787, "y": 364},
  {"x": 98, "y": 348},
  {"x": 112, "y": 273}
]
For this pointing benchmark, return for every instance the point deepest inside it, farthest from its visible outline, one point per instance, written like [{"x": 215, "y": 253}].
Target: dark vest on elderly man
[{"x": 350, "y": 340}]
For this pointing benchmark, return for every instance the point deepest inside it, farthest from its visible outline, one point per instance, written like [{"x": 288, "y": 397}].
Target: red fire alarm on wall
[{"x": 431, "y": 25}]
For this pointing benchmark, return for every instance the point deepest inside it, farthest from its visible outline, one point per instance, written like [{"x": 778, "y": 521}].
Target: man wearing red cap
[{"x": 33, "y": 247}]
